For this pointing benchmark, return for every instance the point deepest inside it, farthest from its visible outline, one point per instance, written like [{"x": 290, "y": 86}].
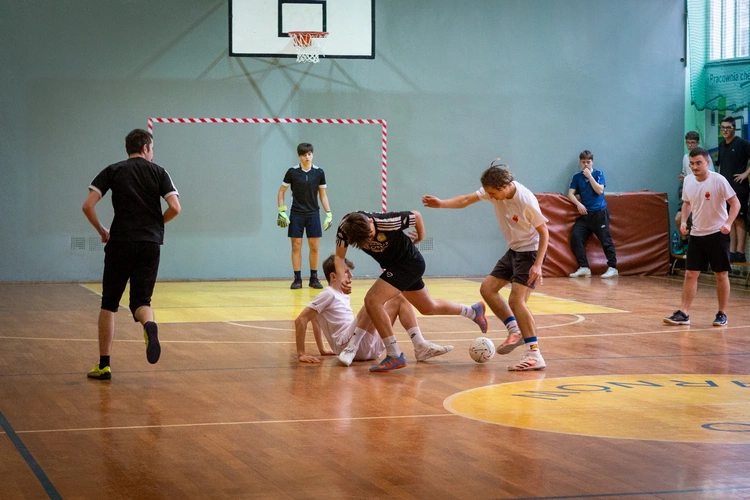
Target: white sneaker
[
  {"x": 610, "y": 273},
  {"x": 530, "y": 361},
  {"x": 583, "y": 272},
  {"x": 432, "y": 350},
  {"x": 347, "y": 355}
]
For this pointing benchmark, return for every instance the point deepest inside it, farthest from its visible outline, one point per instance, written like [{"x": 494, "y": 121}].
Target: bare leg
[
  {"x": 690, "y": 287},
  {"x": 741, "y": 235},
  {"x": 428, "y": 306},
  {"x": 106, "y": 332},
  {"x": 722, "y": 290},
  {"x": 490, "y": 291},
  {"x": 144, "y": 314},
  {"x": 380, "y": 293},
  {"x": 313, "y": 243},
  {"x": 519, "y": 295},
  {"x": 296, "y": 254}
]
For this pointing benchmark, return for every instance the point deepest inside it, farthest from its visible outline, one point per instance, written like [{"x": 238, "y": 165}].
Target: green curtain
[{"x": 719, "y": 85}]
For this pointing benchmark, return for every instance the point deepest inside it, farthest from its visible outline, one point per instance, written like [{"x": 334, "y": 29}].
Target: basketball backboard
[{"x": 260, "y": 28}]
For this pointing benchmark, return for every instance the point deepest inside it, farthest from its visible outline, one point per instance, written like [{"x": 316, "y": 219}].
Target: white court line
[
  {"x": 217, "y": 424},
  {"x": 472, "y": 332},
  {"x": 578, "y": 319}
]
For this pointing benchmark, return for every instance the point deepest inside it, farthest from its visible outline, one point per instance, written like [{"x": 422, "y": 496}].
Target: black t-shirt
[
  {"x": 732, "y": 160},
  {"x": 136, "y": 184},
  {"x": 390, "y": 244},
  {"x": 305, "y": 185}
]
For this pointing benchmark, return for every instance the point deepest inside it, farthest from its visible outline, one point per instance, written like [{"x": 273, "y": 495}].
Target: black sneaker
[
  {"x": 678, "y": 318},
  {"x": 151, "y": 336},
  {"x": 732, "y": 256},
  {"x": 721, "y": 319},
  {"x": 296, "y": 285},
  {"x": 315, "y": 283},
  {"x": 740, "y": 257}
]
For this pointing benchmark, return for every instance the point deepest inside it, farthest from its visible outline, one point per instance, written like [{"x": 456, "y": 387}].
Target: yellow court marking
[
  {"x": 695, "y": 408},
  {"x": 212, "y": 301}
]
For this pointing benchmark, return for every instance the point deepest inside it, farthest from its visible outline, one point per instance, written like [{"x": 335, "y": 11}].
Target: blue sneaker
[
  {"x": 480, "y": 319},
  {"x": 390, "y": 363}
]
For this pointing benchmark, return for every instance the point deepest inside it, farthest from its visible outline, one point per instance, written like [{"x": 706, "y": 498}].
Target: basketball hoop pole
[{"x": 314, "y": 121}]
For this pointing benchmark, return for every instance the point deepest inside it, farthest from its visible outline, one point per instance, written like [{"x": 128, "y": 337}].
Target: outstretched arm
[{"x": 461, "y": 201}]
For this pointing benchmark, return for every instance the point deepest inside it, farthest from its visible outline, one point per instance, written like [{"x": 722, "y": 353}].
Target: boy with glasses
[
  {"x": 734, "y": 153},
  {"x": 692, "y": 141}
]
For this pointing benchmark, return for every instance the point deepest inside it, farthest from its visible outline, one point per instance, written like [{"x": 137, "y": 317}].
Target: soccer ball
[{"x": 482, "y": 349}]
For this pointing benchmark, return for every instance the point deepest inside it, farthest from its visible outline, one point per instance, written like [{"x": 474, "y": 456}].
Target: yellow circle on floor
[{"x": 699, "y": 408}]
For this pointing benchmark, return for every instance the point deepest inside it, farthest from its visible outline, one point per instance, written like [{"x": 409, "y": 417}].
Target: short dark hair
[
  {"x": 304, "y": 148},
  {"x": 586, "y": 155},
  {"x": 496, "y": 177},
  {"x": 728, "y": 119},
  {"x": 136, "y": 139},
  {"x": 329, "y": 266},
  {"x": 693, "y": 136},
  {"x": 356, "y": 228},
  {"x": 699, "y": 152}
]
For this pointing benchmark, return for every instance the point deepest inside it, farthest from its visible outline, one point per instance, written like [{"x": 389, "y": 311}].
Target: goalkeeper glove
[
  {"x": 327, "y": 221},
  {"x": 283, "y": 219}
]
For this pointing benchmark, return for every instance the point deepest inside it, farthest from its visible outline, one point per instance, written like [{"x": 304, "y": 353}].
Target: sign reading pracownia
[{"x": 695, "y": 408}]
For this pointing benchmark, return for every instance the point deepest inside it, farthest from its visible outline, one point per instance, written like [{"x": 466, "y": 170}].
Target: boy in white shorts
[
  {"x": 525, "y": 230},
  {"x": 353, "y": 338},
  {"x": 706, "y": 194}
]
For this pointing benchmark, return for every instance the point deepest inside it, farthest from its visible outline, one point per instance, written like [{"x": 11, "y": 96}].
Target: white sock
[
  {"x": 391, "y": 347},
  {"x": 357, "y": 337},
  {"x": 512, "y": 326},
  {"x": 468, "y": 312},
  {"x": 416, "y": 337}
]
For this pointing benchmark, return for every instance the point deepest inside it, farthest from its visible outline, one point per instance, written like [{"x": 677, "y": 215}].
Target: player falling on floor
[
  {"x": 525, "y": 230},
  {"x": 382, "y": 237},
  {"x": 330, "y": 314}
]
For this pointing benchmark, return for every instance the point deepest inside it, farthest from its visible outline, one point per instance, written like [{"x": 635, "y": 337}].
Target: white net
[{"x": 309, "y": 45}]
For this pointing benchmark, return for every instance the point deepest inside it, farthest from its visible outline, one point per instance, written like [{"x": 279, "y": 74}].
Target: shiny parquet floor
[{"x": 627, "y": 407}]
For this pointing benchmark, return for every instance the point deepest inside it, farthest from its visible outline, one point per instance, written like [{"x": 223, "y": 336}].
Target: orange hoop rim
[{"x": 311, "y": 34}]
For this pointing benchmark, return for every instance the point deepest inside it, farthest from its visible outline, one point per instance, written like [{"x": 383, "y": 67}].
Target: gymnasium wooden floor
[{"x": 627, "y": 408}]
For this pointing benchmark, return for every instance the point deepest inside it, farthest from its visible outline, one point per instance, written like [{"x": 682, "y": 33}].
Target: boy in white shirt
[
  {"x": 353, "y": 338},
  {"x": 525, "y": 230},
  {"x": 705, "y": 194},
  {"x": 692, "y": 141}
]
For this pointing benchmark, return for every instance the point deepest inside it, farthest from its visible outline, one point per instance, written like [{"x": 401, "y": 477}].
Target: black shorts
[
  {"x": 137, "y": 261},
  {"x": 514, "y": 267},
  {"x": 298, "y": 224},
  {"x": 406, "y": 276},
  {"x": 710, "y": 249}
]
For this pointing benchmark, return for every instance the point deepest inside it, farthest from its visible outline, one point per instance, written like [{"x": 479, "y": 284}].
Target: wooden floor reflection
[{"x": 229, "y": 413}]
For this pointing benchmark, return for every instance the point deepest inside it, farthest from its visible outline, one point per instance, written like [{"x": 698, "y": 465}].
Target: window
[{"x": 729, "y": 29}]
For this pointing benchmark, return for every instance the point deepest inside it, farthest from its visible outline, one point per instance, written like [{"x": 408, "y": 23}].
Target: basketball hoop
[{"x": 309, "y": 44}]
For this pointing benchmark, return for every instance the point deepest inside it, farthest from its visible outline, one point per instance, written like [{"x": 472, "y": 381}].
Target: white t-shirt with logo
[
  {"x": 335, "y": 317},
  {"x": 518, "y": 218},
  {"x": 708, "y": 202}
]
